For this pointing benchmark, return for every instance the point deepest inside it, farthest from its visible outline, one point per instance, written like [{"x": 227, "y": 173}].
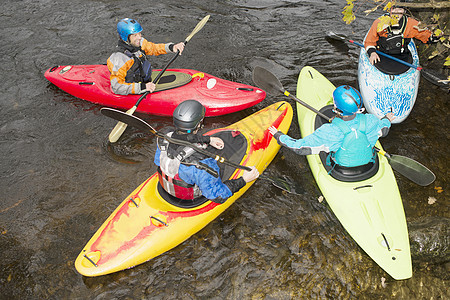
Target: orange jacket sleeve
[
  {"x": 410, "y": 32},
  {"x": 152, "y": 48},
  {"x": 372, "y": 36}
]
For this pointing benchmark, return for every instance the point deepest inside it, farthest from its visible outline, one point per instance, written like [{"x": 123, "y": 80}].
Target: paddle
[
  {"x": 413, "y": 170},
  {"x": 408, "y": 167},
  {"x": 118, "y": 130},
  {"x": 284, "y": 184},
  {"x": 430, "y": 75},
  {"x": 268, "y": 82}
]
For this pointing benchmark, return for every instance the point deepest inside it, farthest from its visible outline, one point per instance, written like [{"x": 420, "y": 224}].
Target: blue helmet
[
  {"x": 126, "y": 27},
  {"x": 347, "y": 100}
]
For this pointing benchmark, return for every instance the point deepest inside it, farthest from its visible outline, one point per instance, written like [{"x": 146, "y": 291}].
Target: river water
[{"x": 60, "y": 179}]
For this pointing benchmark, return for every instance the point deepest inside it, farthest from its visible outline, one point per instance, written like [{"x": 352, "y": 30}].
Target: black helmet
[{"x": 188, "y": 115}]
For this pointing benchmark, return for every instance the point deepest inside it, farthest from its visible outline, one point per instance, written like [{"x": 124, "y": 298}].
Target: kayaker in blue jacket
[
  {"x": 129, "y": 67},
  {"x": 350, "y": 137},
  {"x": 187, "y": 174}
]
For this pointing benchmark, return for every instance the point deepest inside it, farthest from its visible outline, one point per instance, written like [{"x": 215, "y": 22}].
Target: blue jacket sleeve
[
  {"x": 326, "y": 138},
  {"x": 210, "y": 186},
  {"x": 376, "y": 128},
  {"x": 157, "y": 154}
]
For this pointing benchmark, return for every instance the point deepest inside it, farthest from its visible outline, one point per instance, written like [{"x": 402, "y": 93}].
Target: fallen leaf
[
  {"x": 431, "y": 200},
  {"x": 436, "y": 17},
  {"x": 388, "y": 6},
  {"x": 438, "y": 189},
  {"x": 434, "y": 54},
  {"x": 383, "y": 282},
  {"x": 369, "y": 11},
  {"x": 438, "y": 32}
]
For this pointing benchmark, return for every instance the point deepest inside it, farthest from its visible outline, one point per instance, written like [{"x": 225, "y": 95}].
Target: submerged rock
[{"x": 430, "y": 239}]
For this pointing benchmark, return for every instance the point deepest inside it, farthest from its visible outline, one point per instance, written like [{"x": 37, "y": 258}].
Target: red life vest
[{"x": 168, "y": 173}]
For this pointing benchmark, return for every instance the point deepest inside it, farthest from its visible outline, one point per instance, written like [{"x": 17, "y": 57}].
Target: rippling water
[{"x": 60, "y": 179}]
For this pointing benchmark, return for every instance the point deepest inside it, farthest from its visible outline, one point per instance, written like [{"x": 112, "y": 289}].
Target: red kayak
[{"x": 219, "y": 96}]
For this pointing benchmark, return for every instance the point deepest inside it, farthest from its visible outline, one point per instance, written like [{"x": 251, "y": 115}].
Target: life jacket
[
  {"x": 394, "y": 43},
  {"x": 355, "y": 149},
  {"x": 141, "y": 70},
  {"x": 168, "y": 171}
]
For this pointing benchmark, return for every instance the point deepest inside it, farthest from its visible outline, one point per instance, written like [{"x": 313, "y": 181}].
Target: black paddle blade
[
  {"x": 337, "y": 36},
  {"x": 285, "y": 184},
  {"x": 435, "y": 78},
  {"x": 412, "y": 169},
  {"x": 127, "y": 119},
  {"x": 267, "y": 81}
]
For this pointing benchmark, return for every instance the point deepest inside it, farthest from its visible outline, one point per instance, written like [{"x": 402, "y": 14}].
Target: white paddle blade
[
  {"x": 117, "y": 132},
  {"x": 197, "y": 28}
]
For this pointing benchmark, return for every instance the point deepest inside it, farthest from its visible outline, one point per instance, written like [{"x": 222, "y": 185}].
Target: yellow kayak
[{"x": 149, "y": 222}]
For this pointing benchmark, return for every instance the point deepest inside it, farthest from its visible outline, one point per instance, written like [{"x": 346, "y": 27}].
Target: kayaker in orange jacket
[
  {"x": 392, "y": 33},
  {"x": 129, "y": 67}
]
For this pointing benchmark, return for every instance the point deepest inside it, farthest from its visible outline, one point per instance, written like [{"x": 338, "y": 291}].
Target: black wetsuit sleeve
[
  {"x": 235, "y": 184},
  {"x": 193, "y": 138}
]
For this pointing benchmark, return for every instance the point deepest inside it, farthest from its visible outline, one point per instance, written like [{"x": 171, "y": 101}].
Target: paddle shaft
[
  {"x": 389, "y": 56},
  {"x": 188, "y": 38},
  {"x": 155, "y": 81},
  {"x": 306, "y": 105},
  {"x": 201, "y": 150}
]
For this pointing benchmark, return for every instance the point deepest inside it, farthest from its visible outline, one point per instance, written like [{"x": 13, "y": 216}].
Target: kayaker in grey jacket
[
  {"x": 351, "y": 136},
  {"x": 186, "y": 174}
]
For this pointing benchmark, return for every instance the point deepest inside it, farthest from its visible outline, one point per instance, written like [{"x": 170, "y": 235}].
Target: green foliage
[{"x": 349, "y": 16}]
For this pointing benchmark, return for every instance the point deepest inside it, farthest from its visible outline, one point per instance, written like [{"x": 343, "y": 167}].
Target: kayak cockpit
[
  {"x": 392, "y": 67},
  {"x": 341, "y": 173},
  {"x": 234, "y": 151}
]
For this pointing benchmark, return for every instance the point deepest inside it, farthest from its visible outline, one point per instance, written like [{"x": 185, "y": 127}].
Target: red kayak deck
[{"x": 219, "y": 96}]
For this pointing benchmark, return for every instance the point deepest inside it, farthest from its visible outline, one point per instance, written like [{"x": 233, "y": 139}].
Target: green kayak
[{"x": 366, "y": 200}]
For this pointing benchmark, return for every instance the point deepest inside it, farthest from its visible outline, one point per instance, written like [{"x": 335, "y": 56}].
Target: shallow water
[{"x": 60, "y": 179}]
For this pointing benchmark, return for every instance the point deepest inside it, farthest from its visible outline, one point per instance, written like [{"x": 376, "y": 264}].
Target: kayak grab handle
[
  {"x": 161, "y": 221},
  {"x": 87, "y": 257},
  {"x": 53, "y": 68},
  {"x": 85, "y": 83},
  {"x": 132, "y": 200},
  {"x": 385, "y": 240},
  {"x": 245, "y": 89},
  {"x": 362, "y": 186}
]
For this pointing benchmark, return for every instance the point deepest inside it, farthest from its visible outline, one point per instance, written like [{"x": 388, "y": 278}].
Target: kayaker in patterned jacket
[
  {"x": 129, "y": 67},
  {"x": 186, "y": 174},
  {"x": 392, "y": 33},
  {"x": 349, "y": 138}
]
